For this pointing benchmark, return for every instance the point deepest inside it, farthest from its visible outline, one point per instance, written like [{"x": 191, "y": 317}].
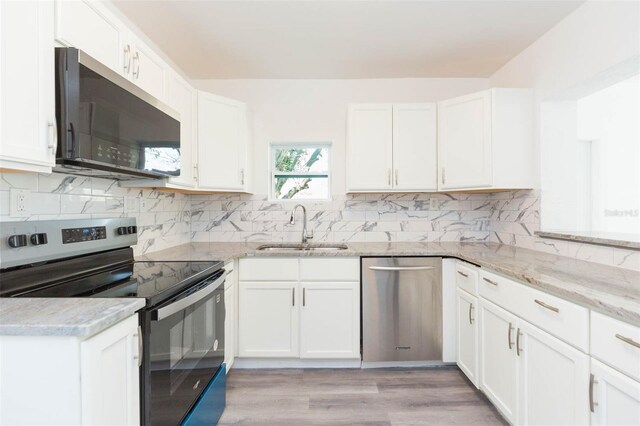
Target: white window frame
[{"x": 298, "y": 145}]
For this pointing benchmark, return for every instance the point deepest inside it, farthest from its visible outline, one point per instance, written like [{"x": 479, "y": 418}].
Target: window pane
[
  {"x": 297, "y": 188},
  {"x": 312, "y": 159}
]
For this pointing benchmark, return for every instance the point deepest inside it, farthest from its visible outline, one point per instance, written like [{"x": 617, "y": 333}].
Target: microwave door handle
[{"x": 185, "y": 302}]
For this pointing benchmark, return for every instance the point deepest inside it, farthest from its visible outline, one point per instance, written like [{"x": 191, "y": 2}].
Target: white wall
[
  {"x": 593, "y": 39},
  {"x": 316, "y": 110}
]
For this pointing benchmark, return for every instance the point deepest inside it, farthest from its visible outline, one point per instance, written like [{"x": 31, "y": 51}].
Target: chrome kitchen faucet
[{"x": 306, "y": 236}]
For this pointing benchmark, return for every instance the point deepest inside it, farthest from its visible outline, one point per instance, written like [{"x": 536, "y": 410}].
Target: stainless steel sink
[{"x": 302, "y": 247}]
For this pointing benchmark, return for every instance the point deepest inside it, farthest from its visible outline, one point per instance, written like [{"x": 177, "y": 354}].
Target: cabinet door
[
  {"x": 230, "y": 321},
  {"x": 330, "y": 320},
  {"x": 88, "y": 26},
  {"x": 110, "y": 375},
  {"x": 467, "y": 335},
  {"x": 369, "y": 142},
  {"x": 268, "y": 319},
  {"x": 553, "y": 379},
  {"x": 222, "y": 142},
  {"x": 498, "y": 371},
  {"x": 414, "y": 147},
  {"x": 464, "y": 141},
  {"x": 27, "y": 91},
  {"x": 181, "y": 97},
  {"x": 147, "y": 68},
  {"x": 615, "y": 398}
]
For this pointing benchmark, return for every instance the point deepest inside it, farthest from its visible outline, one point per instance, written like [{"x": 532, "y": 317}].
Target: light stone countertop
[
  {"x": 606, "y": 289},
  {"x": 79, "y": 317}
]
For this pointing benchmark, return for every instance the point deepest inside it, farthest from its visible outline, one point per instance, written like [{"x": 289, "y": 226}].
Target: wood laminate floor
[{"x": 434, "y": 396}]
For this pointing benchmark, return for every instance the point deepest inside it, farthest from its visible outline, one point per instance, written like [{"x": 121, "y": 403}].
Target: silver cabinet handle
[
  {"x": 53, "y": 137},
  {"x": 401, "y": 268},
  {"x": 592, "y": 403},
  {"x": 443, "y": 179},
  {"x": 136, "y": 69},
  {"x": 293, "y": 297},
  {"x": 509, "y": 342},
  {"x": 470, "y": 317},
  {"x": 195, "y": 171},
  {"x": 242, "y": 176},
  {"x": 628, "y": 340},
  {"x": 489, "y": 281},
  {"x": 127, "y": 59},
  {"x": 463, "y": 274},
  {"x": 140, "y": 347},
  {"x": 189, "y": 300},
  {"x": 518, "y": 348},
  {"x": 304, "y": 296},
  {"x": 549, "y": 307},
  {"x": 389, "y": 177},
  {"x": 396, "y": 176}
]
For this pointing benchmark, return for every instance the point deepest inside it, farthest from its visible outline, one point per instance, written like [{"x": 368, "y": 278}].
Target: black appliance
[
  {"x": 182, "y": 323},
  {"x": 108, "y": 126}
]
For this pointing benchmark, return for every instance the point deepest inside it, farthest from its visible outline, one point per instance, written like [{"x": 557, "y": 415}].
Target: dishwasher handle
[{"x": 401, "y": 268}]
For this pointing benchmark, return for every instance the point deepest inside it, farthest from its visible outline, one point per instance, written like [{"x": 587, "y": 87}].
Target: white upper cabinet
[
  {"x": 414, "y": 147},
  {"x": 182, "y": 98},
  {"x": 391, "y": 147},
  {"x": 147, "y": 69},
  {"x": 485, "y": 141},
  {"x": 369, "y": 150},
  {"x": 91, "y": 27},
  {"x": 27, "y": 90},
  {"x": 222, "y": 143}
]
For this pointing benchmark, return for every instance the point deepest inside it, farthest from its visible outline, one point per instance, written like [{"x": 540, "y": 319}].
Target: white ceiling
[{"x": 343, "y": 39}]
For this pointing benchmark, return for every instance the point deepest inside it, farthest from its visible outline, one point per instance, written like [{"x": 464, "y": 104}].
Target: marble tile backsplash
[
  {"x": 163, "y": 218},
  {"x": 166, "y": 219}
]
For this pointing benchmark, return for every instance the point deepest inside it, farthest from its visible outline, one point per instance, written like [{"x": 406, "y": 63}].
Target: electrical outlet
[{"x": 20, "y": 202}]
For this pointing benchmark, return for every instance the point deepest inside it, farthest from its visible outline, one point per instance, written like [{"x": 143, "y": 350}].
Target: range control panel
[
  {"x": 32, "y": 241},
  {"x": 78, "y": 235}
]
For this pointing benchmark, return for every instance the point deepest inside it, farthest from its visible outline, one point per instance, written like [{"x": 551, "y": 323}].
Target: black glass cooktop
[{"x": 155, "y": 281}]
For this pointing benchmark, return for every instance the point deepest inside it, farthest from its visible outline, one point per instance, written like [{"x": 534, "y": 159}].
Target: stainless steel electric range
[{"x": 182, "y": 371}]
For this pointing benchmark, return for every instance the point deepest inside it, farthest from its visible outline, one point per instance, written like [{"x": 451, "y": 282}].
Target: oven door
[{"x": 184, "y": 350}]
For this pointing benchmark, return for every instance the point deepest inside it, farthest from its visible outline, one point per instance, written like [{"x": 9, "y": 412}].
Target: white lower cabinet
[
  {"x": 498, "y": 362},
  {"x": 230, "y": 306},
  {"x": 467, "y": 334},
  {"x": 330, "y": 320},
  {"x": 532, "y": 377},
  {"x": 553, "y": 379},
  {"x": 74, "y": 381},
  {"x": 110, "y": 376},
  {"x": 614, "y": 397},
  {"x": 303, "y": 308},
  {"x": 268, "y": 320}
]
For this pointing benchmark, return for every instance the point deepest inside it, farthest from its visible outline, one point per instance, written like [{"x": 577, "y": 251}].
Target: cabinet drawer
[
  {"x": 467, "y": 277},
  {"x": 559, "y": 317},
  {"x": 269, "y": 269},
  {"x": 616, "y": 343},
  {"x": 330, "y": 269}
]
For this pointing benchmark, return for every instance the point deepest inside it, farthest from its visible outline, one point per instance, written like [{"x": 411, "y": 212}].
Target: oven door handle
[{"x": 181, "y": 304}]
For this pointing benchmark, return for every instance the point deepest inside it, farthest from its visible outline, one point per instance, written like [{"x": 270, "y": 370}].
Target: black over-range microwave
[{"x": 108, "y": 126}]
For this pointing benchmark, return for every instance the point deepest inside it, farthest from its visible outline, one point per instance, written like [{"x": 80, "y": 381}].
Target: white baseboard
[{"x": 254, "y": 363}]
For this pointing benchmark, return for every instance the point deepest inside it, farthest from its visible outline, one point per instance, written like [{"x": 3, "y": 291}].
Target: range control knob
[
  {"x": 133, "y": 230},
  {"x": 16, "y": 241},
  {"x": 122, "y": 230},
  {"x": 39, "y": 239}
]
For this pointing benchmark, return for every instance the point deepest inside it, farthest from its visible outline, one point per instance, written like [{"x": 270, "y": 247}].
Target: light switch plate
[{"x": 19, "y": 202}]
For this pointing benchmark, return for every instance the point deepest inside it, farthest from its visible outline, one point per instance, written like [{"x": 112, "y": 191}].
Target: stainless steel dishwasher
[{"x": 401, "y": 311}]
